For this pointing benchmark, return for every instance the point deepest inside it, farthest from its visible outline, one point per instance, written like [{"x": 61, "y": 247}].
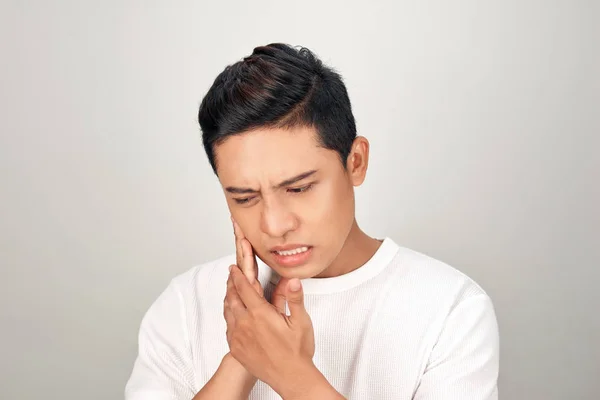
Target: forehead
[{"x": 270, "y": 155}]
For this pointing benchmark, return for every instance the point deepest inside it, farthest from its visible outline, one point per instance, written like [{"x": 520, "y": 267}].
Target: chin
[{"x": 302, "y": 272}]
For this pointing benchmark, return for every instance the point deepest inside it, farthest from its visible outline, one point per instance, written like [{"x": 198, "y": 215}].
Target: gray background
[{"x": 483, "y": 120}]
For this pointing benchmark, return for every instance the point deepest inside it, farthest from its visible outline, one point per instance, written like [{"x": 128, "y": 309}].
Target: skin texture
[{"x": 315, "y": 211}]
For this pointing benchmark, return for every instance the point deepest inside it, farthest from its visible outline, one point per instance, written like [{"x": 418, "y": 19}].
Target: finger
[
  {"x": 278, "y": 298},
  {"x": 250, "y": 269},
  {"x": 228, "y": 315},
  {"x": 256, "y": 285},
  {"x": 245, "y": 291},
  {"x": 239, "y": 257},
  {"x": 248, "y": 266},
  {"x": 229, "y": 280},
  {"x": 237, "y": 232},
  {"x": 295, "y": 300},
  {"x": 233, "y": 299},
  {"x": 230, "y": 322}
]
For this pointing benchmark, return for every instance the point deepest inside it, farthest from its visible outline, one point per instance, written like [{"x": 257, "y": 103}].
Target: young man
[{"x": 327, "y": 312}]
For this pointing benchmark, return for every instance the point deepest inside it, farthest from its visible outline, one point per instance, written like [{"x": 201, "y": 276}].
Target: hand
[
  {"x": 250, "y": 268},
  {"x": 247, "y": 264},
  {"x": 273, "y": 347}
]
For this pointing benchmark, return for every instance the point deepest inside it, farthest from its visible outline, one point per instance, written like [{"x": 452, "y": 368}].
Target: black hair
[{"x": 278, "y": 86}]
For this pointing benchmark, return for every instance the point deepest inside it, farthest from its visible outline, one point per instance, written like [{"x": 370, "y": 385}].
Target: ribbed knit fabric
[{"x": 402, "y": 326}]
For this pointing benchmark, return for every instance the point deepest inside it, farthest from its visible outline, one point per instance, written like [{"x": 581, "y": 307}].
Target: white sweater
[{"x": 402, "y": 326}]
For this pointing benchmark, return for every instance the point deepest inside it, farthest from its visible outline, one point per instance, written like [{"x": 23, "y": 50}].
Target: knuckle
[
  {"x": 258, "y": 288},
  {"x": 257, "y": 312},
  {"x": 244, "y": 324}
]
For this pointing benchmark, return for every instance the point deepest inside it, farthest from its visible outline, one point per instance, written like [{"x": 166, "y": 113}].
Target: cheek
[
  {"x": 248, "y": 222},
  {"x": 331, "y": 207}
]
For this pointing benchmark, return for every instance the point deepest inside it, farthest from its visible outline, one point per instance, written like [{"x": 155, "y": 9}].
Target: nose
[{"x": 277, "y": 219}]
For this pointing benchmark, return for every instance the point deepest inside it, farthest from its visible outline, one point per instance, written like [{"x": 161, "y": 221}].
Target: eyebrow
[{"x": 287, "y": 182}]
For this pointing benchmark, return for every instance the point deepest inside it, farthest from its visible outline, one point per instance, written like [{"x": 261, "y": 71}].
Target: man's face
[{"x": 292, "y": 198}]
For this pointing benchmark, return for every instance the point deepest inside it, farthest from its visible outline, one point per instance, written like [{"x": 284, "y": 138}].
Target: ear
[{"x": 358, "y": 160}]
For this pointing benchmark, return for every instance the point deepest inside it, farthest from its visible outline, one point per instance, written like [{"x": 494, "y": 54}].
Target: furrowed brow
[
  {"x": 287, "y": 182},
  {"x": 240, "y": 190},
  {"x": 296, "y": 178}
]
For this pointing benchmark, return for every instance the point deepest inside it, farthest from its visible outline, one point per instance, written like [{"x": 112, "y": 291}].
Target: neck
[{"x": 357, "y": 250}]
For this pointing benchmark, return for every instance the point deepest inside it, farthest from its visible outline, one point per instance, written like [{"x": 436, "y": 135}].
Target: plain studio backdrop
[{"x": 483, "y": 119}]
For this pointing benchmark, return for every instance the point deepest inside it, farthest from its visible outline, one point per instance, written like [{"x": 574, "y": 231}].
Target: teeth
[{"x": 292, "y": 252}]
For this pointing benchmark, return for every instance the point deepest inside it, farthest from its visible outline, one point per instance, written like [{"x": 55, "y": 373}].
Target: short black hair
[{"x": 278, "y": 86}]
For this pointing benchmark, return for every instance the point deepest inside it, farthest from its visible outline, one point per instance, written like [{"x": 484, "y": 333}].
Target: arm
[
  {"x": 464, "y": 362},
  {"x": 313, "y": 385},
  {"x": 163, "y": 368},
  {"x": 231, "y": 381}
]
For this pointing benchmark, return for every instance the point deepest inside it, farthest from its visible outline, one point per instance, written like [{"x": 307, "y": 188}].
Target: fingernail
[{"x": 295, "y": 285}]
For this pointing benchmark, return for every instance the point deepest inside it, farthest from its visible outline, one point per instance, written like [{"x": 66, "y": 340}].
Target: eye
[
  {"x": 245, "y": 200},
  {"x": 301, "y": 189}
]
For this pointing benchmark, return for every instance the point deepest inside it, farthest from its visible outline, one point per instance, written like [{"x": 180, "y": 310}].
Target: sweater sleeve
[
  {"x": 163, "y": 367},
  {"x": 464, "y": 363}
]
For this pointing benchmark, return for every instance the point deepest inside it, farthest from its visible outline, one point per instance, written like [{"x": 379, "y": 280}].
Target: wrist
[
  {"x": 236, "y": 372},
  {"x": 309, "y": 383},
  {"x": 230, "y": 381}
]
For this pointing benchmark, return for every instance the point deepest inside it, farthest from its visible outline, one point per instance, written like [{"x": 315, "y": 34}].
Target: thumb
[{"x": 295, "y": 299}]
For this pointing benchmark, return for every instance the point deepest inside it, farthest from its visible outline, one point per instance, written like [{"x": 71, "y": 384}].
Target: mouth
[{"x": 292, "y": 256}]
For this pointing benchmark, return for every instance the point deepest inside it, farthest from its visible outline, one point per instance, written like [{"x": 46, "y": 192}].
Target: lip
[
  {"x": 293, "y": 260},
  {"x": 289, "y": 247}
]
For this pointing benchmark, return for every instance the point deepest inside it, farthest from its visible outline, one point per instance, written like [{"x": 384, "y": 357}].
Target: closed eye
[
  {"x": 301, "y": 189},
  {"x": 244, "y": 200},
  {"x": 296, "y": 190}
]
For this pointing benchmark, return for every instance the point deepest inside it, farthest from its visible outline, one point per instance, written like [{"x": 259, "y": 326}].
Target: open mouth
[
  {"x": 291, "y": 252},
  {"x": 292, "y": 257}
]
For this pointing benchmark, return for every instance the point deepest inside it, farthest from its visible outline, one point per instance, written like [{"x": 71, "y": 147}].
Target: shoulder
[
  {"x": 203, "y": 274},
  {"x": 427, "y": 270},
  {"x": 182, "y": 292},
  {"x": 435, "y": 284},
  {"x": 458, "y": 325},
  {"x": 448, "y": 302}
]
